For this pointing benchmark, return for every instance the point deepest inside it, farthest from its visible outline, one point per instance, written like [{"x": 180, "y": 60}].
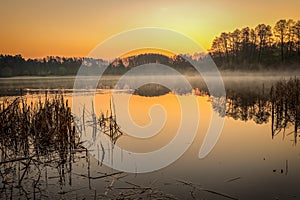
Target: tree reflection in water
[
  {"x": 280, "y": 103},
  {"x": 40, "y": 148}
]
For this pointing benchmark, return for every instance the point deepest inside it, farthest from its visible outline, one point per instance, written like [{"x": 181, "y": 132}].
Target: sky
[{"x": 38, "y": 28}]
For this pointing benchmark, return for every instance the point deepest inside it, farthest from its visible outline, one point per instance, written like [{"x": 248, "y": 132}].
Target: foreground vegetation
[
  {"x": 42, "y": 126},
  {"x": 41, "y": 156}
]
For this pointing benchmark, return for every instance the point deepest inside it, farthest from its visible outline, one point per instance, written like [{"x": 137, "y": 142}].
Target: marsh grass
[
  {"x": 35, "y": 135},
  {"x": 28, "y": 128},
  {"x": 40, "y": 144},
  {"x": 108, "y": 124}
]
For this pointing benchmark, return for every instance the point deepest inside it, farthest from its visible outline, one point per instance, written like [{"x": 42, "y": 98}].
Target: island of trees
[{"x": 260, "y": 48}]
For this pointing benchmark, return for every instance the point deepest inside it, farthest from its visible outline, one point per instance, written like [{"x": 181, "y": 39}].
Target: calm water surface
[{"x": 249, "y": 161}]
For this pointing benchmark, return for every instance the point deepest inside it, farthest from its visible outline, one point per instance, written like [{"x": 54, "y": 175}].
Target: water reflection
[
  {"x": 248, "y": 106},
  {"x": 34, "y": 163},
  {"x": 285, "y": 107},
  {"x": 151, "y": 90},
  {"x": 280, "y": 103}
]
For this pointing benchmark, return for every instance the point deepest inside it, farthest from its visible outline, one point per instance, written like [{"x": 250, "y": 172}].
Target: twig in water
[
  {"x": 233, "y": 179},
  {"x": 207, "y": 190}
]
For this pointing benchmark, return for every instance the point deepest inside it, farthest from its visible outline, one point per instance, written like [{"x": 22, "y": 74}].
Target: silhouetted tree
[
  {"x": 297, "y": 36},
  {"x": 225, "y": 42},
  {"x": 264, "y": 32},
  {"x": 235, "y": 43},
  {"x": 290, "y": 36},
  {"x": 280, "y": 30},
  {"x": 249, "y": 48}
]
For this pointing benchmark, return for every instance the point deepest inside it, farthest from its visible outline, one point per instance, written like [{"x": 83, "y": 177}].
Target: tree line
[
  {"x": 16, "y": 65},
  {"x": 62, "y": 66},
  {"x": 262, "y": 46}
]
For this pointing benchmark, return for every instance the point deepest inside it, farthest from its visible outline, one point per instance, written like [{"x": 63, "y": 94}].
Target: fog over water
[{"x": 232, "y": 81}]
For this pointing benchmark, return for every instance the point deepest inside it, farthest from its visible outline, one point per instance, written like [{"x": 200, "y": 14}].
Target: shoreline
[{"x": 224, "y": 73}]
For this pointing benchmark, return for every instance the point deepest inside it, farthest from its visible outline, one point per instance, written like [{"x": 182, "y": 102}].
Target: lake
[{"x": 256, "y": 155}]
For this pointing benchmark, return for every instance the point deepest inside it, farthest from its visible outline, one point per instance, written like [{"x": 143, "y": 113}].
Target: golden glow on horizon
[
  {"x": 73, "y": 28},
  {"x": 146, "y": 51}
]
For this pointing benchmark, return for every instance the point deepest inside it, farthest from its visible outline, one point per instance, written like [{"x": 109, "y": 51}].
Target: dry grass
[
  {"x": 34, "y": 136},
  {"x": 36, "y": 127}
]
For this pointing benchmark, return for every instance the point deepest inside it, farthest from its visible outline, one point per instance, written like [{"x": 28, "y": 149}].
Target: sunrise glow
[{"x": 73, "y": 28}]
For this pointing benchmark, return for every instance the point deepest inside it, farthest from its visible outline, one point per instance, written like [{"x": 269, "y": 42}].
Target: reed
[
  {"x": 35, "y": 135},
  {"x": 44, "y": 125},
  {"x": 108, "y": 124}
]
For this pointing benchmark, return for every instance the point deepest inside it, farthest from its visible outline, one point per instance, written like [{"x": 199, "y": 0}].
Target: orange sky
[{"x": 36, "y": 28}]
